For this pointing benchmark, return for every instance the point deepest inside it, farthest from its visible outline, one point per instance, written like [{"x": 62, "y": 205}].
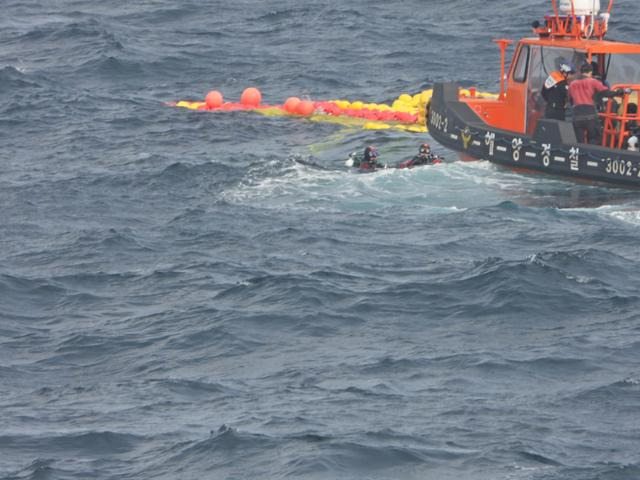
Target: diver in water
[
  {"x": 424, "y": 157},
  {"x": 367, "y": 160},
  {"x": 370, "y": 159}
]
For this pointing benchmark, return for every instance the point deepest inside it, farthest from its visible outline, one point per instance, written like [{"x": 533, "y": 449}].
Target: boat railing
[
  {"x": 573, "y": 27},
  {"x": 621, "y": 119},
  {"x": 573, "y": 24}
]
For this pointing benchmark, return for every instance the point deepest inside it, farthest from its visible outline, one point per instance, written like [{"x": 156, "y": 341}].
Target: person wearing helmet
[
  {"x": 555, "y": 91},
  {"x": 370, "y": 159},
  {"x": 366, "y": 161},
  {"x": 424, "y": 157}
]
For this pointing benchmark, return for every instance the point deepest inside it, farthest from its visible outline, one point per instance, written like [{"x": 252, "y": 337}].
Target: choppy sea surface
[{"x": 189, "y": 295}]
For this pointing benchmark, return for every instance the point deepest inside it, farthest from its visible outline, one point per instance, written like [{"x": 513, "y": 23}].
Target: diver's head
[
  {"x": 425, "y": 148},
  {"x": 370, "y": 153}
]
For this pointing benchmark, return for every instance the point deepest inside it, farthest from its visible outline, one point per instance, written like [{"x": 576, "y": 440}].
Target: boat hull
[{"x": 551, "y": 149}]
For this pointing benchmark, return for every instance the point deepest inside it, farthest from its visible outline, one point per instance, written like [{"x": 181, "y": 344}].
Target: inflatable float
[{"x": 406, "y": 112}]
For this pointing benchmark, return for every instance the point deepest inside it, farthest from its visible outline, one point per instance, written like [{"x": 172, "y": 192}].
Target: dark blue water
[{"x": 180, "y": 298}]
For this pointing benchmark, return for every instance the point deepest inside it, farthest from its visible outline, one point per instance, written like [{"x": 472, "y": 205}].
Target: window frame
[{"x": 523, "y": 55}]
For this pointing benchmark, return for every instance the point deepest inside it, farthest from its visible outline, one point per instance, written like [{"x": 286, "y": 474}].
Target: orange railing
[
  {"x": 585, "y": 26},
  {"x": 621, "y": 118}
]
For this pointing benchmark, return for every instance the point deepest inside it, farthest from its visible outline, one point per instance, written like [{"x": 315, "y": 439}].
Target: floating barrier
[{"x": 405, "y": 112}]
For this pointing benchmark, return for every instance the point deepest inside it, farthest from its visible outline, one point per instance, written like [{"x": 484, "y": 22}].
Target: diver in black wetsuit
[
  {"x": 367, "y": 160},
  {"x": 370, "y": 159},
  {"x": 424, "y": 157}
]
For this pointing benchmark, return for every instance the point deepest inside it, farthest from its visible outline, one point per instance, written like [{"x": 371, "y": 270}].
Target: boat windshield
[
  {"x": 552, "y": 57},
  {"x": 543, "y": 61},
  {"x": 622, "y": 68},
  {"x": 615, "y": 69}
]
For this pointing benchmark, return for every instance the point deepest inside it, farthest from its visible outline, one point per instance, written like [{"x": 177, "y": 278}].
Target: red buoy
[
  {"x": 291, "y": 104},
  {"x": 305, "y": 107},
  {"x": 213, "y": 99},
  {"x": 251, "y": 97}
]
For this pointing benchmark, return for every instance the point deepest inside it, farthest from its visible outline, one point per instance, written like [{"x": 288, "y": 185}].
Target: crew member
[
  {"x": 584, "y": 92},
  {"x": 555, "y": 91}
]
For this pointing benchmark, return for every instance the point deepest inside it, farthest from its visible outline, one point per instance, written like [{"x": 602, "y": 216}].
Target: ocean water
[{"x": 189, "y": 295}]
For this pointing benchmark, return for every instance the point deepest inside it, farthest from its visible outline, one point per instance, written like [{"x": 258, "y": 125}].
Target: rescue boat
[{"x": 511, "y": 129}]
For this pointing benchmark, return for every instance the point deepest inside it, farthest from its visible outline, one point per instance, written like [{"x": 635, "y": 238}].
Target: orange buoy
[
  {"x": 213, "y": 99},
  {"x": 305, "y": 107},
  {"x": 251, "y": 97},
  {"x": 291, "y": 104}
]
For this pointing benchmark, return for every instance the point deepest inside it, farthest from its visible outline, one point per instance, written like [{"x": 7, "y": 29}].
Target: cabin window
[
  {"x": 553, "y": 57},
  {"x": 623, "y": 68},
  {"x": 520, "y": 72}
]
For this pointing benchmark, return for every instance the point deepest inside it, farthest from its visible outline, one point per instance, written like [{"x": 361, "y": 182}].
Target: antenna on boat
[{"x": 589, "y": 31}]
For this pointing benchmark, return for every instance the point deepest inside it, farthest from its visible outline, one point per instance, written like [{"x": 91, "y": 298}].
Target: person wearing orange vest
[{"x": 555, "y": 92}]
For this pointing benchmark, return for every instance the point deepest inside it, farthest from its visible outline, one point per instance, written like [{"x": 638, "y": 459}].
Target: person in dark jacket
[
  {"x": 370, "y": 159},
  {"x": 367, "y": 160},
  {"x": 556, "y": 91}
]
